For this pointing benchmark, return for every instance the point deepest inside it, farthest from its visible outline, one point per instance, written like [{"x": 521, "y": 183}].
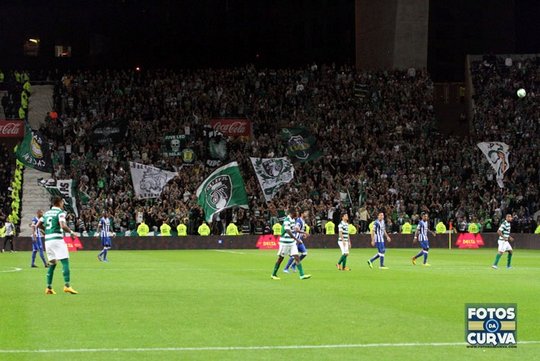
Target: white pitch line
[
  {"x": 13, "y": 269},
  {"x": 227, "y": 251},
  {"x": 249, "y": 348}
]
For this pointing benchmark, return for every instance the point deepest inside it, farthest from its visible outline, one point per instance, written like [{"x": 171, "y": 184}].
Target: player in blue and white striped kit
[
  {"x": 377, "y": 239},
  {"x": 422, "y": 237},
  {"x": 37, "y": 240},
  {"x": 300, "y": 233},
  {"x": 104, "y": 229}
]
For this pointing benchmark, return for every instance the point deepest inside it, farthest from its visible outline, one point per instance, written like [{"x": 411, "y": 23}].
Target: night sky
[{"x": 198, "y": 33}]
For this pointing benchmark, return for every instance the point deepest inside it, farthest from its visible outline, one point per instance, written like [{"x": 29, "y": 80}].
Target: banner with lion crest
[
  {"x": 149, "y": 181},
  {"x": 272, "y": 173},
  {"x": 497, "y": 155},
  {"x": 34, "y": 151},
  {"x": 222, "y": 189},
  {"x": 301, "y": 145}
]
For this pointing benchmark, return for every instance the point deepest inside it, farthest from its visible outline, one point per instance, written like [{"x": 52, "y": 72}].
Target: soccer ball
[{"x": 521, "y": 93}]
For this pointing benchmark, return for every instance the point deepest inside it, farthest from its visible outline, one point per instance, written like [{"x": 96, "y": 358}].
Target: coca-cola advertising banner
[
  {"x": 232, "y": 127},
  {"x": 11, "y": 129}
]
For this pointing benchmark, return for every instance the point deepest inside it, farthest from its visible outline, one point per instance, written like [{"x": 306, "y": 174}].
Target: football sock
[
  {"x": 300, "y": 269},
  {"x": 276, "y": 267},
  {"x": 303, "y": 256},
  {"x": 34, "y": 253},
  {"x": 509, "y": 262},
  {"x": 382, "y": 261},
  {"x": 50, "y": 273},
  {"x": 425, "y": 256},
  {"x": 344, "y": 261},
  {"x": 419, "y": 254},
  {"x": 497, "y": 258},
  {"x": 105, "y": 250},
  {"x": 65, "y": 270},
  {"x": 289, "y": 262},
  {"x": 341, "y": 259},
  {"x": 374, "y": 257}
]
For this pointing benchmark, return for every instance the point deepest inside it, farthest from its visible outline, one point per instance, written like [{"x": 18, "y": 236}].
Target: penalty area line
[{"x": 249, "y": 348}]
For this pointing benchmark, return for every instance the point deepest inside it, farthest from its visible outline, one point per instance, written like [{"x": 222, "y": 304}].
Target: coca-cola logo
[
  {"x": 11, "y": 129},
  {"x": 231, "y": 127}
]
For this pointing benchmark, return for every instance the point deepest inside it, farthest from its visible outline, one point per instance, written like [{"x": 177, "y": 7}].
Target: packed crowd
[
  {"x": 499, "y": 114},
  {"x": 376, "y": 131}
]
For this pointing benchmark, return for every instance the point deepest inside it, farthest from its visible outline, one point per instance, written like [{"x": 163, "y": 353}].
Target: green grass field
[{"x": 222, "y": 305}]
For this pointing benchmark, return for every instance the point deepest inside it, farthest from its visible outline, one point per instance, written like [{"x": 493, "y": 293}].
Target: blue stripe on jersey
[
  {"x": 422, "y": 231},
  {"x": 379, "y": 231},
  {"x": 105, "y": 224}
]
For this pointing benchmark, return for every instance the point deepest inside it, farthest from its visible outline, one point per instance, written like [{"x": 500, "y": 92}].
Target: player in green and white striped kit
[
  {"x": 288, "y": 247},
  {"x": 504, "y": 242},
  {"x": 344, "y": 242},
  {"x": 54, "y": 221}
]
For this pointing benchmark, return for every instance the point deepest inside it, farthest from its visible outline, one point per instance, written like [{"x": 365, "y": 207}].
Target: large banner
[
  {"x": 272, "y": 173},
  {"x": 301, "y": 144},
  {"x": 232, "y": 127},
  {"x": 34, "y": 151},
  {"x": 11, "y": 129},
  {"x": 149, "y": 181},
  {"x": 223, "y": 189},
  {"x": 65, "y": 188},
  {"x": 497, "y": 155},
  {"x": 173, "y": 145},
  {"x": 110, "y": 131}
]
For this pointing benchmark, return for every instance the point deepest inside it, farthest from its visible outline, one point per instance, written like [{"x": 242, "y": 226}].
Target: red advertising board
[
  {"x": 232, "y": 127},
  {"x": 268, "y": 242},
  {"x": 11, "y": 128},
  {"x": 470, "y": 240}
]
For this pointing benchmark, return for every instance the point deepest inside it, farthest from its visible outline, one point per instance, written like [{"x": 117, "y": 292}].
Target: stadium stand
[{"x": 376, "y": 131}]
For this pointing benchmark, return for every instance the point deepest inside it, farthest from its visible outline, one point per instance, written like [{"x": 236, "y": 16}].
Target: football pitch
[{"x": 222, "y": 305}]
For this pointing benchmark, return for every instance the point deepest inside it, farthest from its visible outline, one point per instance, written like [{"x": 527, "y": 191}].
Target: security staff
[
  {"x": 406, "y": 228},
  {"x": 182, "y": 229},
  {"x": 232, "y": 230},
  {"x": 330, "y": 228},
  {"x": 143, "y": 229},
  {"x": 203, "y": 229},
  {"x": 165, "y": 229}
]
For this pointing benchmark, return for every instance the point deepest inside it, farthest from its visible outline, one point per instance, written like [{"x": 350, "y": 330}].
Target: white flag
[
  {"x": 272, "y": 173},
  {"x": 149, "y": 181},
  {"x": 497, "y": 155}
]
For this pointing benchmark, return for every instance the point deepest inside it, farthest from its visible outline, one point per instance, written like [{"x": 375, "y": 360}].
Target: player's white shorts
[
  {"x": 504, "y": 246},
  {"x": 287, "y": 249},
  {"x": 56, "y": 249},
  {"x": 344, "y": 246}
]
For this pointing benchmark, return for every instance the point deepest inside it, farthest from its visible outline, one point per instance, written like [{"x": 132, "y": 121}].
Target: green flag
[
  {"x": 301, "y": 144},
  {"x": 223, "y": 189},
  {"x": 34, "y": 151}
]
